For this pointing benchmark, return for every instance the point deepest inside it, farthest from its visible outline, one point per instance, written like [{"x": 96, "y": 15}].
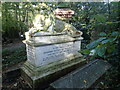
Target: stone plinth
[
  {"x": 50, "y": 54},
  {"x": 82, "y": 77}
]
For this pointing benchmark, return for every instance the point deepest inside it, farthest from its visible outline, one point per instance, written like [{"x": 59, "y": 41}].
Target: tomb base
[{"x": 42, "y": 76}]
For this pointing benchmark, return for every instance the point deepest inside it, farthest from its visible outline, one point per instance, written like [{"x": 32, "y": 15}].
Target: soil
[{"x": 13, "y": 80}]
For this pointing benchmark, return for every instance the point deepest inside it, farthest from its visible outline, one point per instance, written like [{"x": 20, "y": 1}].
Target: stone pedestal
[{"x": 49, "y": 56}]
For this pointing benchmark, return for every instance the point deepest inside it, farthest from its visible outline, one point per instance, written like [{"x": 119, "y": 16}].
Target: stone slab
[
  {"x": 37, "y": 76},
  {"x": 83, "y": 77}
]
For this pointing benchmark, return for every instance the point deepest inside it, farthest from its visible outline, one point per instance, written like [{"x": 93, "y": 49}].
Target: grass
[{"x": 12, "y": 57}]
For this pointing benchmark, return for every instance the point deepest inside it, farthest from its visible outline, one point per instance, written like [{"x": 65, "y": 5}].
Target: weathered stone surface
[
  {"x": 83, "y": 77},
  {"x": 42, "y": 50},
  {"x": 43, "y": 55},
  {"x": 48, "y": 55},
  {"x": 50, "y": 39},
  {"x": 50, "y": 49},
  {"x": 37, "y": 76},
  {"x": 46, "y": 21}
]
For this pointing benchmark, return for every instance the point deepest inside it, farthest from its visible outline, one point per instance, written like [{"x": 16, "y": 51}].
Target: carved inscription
[
  {"x": 58, "y": 52},
  {"x": 49, "y": 53}
]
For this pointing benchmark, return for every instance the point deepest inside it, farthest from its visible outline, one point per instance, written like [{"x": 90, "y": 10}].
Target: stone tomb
[{"x": 49, "y": 53}]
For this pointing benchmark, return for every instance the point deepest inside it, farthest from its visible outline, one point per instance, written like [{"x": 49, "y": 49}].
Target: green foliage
[
  {"x": 86, "y": 51},
  {"x": 16, "y": 17},
  {"x": 95, "y": 43},
  {"x": 94, "y": 16},
  {"x": 103, "y": 34},
  {"x": 63, "y": 5},
  {"x": 13, "y": 57},
  {"x": 106, "y": 44},
  {"x": 99, "y": 18}
]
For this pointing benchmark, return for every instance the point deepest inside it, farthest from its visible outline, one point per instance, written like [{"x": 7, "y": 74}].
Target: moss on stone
[{"x": 42, "y": 74}]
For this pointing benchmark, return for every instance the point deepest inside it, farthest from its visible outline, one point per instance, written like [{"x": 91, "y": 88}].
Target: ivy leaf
[
  {"x": 92, "y": 45},
  {"x": 108, "y": 40},
  {"x": 115, "y": 33},
  {"x": 100, "y": 39},
  {"x": 112, "y": 39},
  {"x": 105, "y": 41},
  {"x": 95, "y": 43},
  {"x": 103, "y": 34},
  {"x": 100, "y": 51}
]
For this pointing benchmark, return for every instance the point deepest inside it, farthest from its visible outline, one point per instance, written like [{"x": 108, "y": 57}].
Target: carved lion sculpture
[{"x": 49, "y": 23}]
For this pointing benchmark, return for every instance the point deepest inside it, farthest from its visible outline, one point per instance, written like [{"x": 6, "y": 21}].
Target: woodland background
[{"x": 99, "y": 22}]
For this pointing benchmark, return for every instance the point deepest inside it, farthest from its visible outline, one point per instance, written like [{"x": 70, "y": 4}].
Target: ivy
[
  {"x": 95, "y": 43},
  {"x": 103, "y": 45}
]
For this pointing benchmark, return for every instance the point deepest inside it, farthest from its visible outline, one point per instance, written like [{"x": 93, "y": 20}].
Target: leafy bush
[{"x": 105, "y": 46}]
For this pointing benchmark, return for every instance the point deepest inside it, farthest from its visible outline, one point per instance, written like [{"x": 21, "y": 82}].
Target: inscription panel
[{"x": 51, "y": 53}]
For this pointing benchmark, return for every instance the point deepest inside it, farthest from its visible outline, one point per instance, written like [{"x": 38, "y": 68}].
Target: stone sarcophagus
[
  {"x": 47, "y": 48},
  {"x": 52, "y": 50},
  {"x": 49, "y": 53}
]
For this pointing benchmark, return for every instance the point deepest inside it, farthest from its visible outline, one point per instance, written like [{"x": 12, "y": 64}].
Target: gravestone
[
  {"x": 49, "y": 53},
  {"x": 52, "y": 50},
  {"x": 47, "y": 48}
]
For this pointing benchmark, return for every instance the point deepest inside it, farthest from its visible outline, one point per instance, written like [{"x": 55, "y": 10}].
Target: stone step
[{"x": 83, "y": 77}]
